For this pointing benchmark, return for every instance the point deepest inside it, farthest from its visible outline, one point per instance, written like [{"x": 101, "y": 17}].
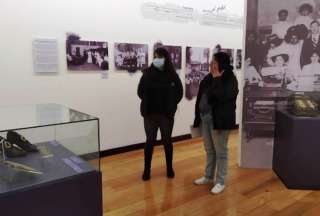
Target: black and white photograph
[
  {"x": 130, "y": 57},
  {"x": 86, "y": 55},
  {"x": 197, "y": 67},
  {"x": 239, "y": 59},
  {"x": 175, "y": 53},
  {"x": 230, "y": 52},
  {"x": 281, "y": 57}
]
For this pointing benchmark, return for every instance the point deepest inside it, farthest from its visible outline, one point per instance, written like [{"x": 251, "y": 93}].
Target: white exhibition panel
[{"x": 113, "y": 100}]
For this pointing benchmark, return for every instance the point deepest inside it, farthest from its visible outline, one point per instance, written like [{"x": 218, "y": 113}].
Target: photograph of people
[
  {"x": 197, "y": 66},
  {"x": 86, "y": 55},
  {"x": 278, "y": 75},
  {"x": 291, "y": 45},
  {"x": 311, "y": 43},
  {"x": 160, "y": 90},
  {"x": 273, "y": 75},
  {"x": 252, "y": 76},
  {"x": 294, "y": 41},
  {"x": 175, "y": 53},
  {"x": 314, "y": 66},
  {"x": 239, "y": 59},
  {"x": 280, "y": 28},
  {"x": 305, "y": 14},
  {"x": 215, "y": 115},
  {"x": 130, "y": 57},
  {"x": 280, "y": 39},
  {"x": 310, "y": 74},
  {"x": 251, "y": 46}
]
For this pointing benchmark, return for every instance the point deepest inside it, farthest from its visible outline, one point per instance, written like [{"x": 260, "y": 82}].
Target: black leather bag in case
[{"x": 302, "y": 105}]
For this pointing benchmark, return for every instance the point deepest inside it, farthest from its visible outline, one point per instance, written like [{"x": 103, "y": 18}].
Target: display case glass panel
[{"x": 45, "y": 143}]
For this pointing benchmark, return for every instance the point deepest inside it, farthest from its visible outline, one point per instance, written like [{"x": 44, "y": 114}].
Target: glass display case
[{"x": 45, "y": 144}]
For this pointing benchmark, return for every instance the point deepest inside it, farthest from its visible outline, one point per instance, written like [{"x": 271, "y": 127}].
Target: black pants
[{"x": 151, "y": 125}]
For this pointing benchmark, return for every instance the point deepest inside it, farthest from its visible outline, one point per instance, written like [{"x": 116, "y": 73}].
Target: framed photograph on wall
[
  {"x": 175, "y": 53},
  {"x": 239, "y": 59},
  {"x": 86, "y": 55},
  {"x": 130, "y": 57},
  {"x": 230, "y": 52},
  {"x": 197, "y": 67}
]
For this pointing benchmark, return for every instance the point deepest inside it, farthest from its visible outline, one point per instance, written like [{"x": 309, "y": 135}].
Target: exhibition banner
[
  {"x": 281, "y": 58},
  {"x": 222, "y": 13}
]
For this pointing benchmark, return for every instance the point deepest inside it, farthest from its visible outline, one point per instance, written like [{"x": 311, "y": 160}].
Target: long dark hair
[
  {"x": 223, "y": 60},
  {"x": 168, "y": 66}
]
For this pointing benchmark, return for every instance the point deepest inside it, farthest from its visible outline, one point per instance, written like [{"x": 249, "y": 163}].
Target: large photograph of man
[
  {"x": 281, "y": 57},
  {"x": 197, "y": 67}
]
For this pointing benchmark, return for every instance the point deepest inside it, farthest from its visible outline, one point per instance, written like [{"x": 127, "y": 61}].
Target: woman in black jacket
[
  {"x": 160, "y": 91},
  {"x": 215, "y": 113}
]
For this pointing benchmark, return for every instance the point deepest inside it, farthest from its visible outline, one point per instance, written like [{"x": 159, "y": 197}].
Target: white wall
[{"x": 113, "y": 100}]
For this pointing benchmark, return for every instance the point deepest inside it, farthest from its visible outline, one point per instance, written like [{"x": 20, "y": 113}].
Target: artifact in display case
[
  {"x": 302, "y": 105},
  {"x": 16, "y": 145},
  {"x": 44, "y": 149}
]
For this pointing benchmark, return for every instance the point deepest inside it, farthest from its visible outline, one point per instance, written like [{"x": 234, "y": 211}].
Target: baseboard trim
[{"x": 138, "y": 146}]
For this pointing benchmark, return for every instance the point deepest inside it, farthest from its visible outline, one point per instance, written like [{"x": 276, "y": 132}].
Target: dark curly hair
[
  {"x": 306, "y": 6},
  {"x": 301, "y": 31}
]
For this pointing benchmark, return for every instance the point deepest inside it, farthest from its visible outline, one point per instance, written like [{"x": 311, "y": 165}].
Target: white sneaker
[
  {"x": 202, "y": 181},
  {"x": 218, "y": 188}
]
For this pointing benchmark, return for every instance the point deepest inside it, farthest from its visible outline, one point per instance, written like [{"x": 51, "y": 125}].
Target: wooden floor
[{"x": 248, "y": 192}]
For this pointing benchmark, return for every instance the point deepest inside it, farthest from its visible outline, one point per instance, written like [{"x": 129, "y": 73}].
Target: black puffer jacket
[
  {"x": 222, "y": 95},
  {"x": 160, "y": 92}
]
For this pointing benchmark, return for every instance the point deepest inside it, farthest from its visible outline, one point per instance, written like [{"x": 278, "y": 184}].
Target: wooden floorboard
[{"x": 248, "y": 191}]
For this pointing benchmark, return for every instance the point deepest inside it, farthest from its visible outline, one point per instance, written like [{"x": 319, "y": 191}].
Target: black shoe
[
  {"x": 146, "y": 175},
  {"x": 170, "y": 173},
  {"x": 19, "y": 140},
  {"x": 9, "y": 149}
]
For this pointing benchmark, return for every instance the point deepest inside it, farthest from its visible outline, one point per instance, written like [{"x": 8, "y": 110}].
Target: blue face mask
[{"x": 158, "y": 62}]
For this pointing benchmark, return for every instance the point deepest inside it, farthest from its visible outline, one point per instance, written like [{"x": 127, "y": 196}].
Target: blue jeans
[{"x": 216, "y": 146}]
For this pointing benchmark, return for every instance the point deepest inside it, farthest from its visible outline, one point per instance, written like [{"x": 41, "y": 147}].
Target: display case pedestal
[
  {"x": 61, "y": 176},
  {"x": 297, "y": 151},
  {"x": 79, "y": 195}
]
